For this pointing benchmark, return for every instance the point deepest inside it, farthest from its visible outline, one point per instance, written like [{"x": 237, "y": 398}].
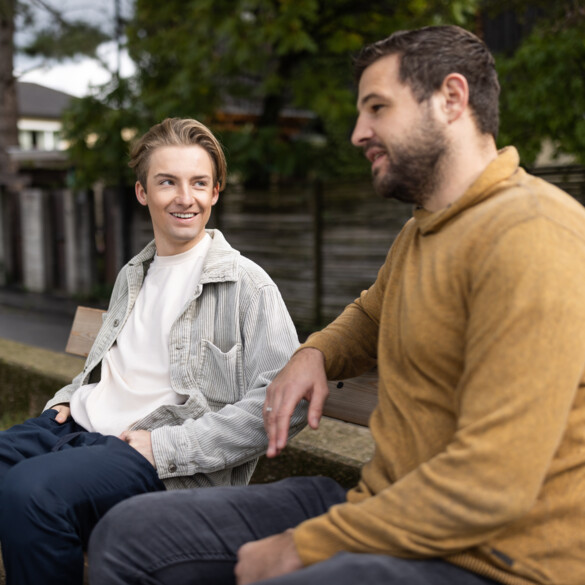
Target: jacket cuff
[{"x": 170, "y": 448}]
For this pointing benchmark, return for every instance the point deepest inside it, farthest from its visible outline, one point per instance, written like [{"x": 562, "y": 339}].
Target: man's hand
[
  {"x": 270, "y": 557},
  {"x": 303, "y": 377},
  {"x": 142, "y": 442},
  {"x": 63, "y": 412}
]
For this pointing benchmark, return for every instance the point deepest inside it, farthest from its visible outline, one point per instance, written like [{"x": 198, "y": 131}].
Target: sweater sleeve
[{"x": 524, "y": 360}]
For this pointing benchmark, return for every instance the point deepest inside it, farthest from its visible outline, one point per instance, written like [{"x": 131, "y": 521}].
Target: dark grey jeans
[{"x": 192, "y": 537}]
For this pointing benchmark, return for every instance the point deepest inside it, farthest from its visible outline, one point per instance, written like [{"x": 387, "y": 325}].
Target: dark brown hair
[{"x": 429, "y": 54}]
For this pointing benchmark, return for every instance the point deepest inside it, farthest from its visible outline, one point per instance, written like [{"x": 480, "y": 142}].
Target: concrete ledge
[
  {"x": 337, "y": 450},
  {"x": 29, "y": 376}
]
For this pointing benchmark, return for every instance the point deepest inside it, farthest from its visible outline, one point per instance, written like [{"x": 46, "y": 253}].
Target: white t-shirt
[{"x": 135, "y": 377}]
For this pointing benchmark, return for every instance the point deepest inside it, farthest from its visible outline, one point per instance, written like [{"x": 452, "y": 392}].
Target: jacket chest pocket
[{"x": 220, "y": 375}]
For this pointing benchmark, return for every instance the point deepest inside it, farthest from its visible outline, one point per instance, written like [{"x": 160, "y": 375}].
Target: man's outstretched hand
[
  {"x": 303, "y": 377},
  {"x": 270, "y": 557}
]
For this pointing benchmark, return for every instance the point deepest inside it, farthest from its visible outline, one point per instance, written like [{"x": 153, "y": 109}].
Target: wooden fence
[{"x": 322, "y": 246}]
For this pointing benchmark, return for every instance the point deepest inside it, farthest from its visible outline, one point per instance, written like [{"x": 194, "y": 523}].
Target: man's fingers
[
  {"x": 302, "y": 378},
  {"x": 271, "y": 408},
  {"x": 282, "y": 417},
  {"x": 63, "y": 412},
  {"x": 282, "y": 424},
  {"x": 316, "y": 406}
]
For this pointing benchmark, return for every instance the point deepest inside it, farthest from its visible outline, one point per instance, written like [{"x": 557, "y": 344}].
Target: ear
[
  {"x": 454, "y": 94},
  {"x": 215, "y": 195},
  {"x": 140, "y": 193}
]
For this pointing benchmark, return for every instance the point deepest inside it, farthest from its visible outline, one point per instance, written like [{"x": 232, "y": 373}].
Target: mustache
[{"x": 372, "y": 144}]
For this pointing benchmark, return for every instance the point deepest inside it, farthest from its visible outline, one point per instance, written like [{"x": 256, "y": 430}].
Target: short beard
[{"x": 415, "y": 167}]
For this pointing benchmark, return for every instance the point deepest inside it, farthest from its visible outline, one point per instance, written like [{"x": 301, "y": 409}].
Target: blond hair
[{"x": 178, "y": 132}]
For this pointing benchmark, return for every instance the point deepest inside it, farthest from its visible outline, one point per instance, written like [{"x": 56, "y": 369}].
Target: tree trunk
[{"x": 8, "y": 105}]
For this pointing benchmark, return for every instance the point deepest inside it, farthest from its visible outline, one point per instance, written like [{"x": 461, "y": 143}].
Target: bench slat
[
  {"x": 355, "y": 400},
  {"x": 86, "y": 324}
]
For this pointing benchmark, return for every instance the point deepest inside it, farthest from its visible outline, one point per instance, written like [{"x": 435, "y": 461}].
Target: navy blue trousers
[
  {"x": 191, "y": 537},
  {"x": 56, "y": 482}
]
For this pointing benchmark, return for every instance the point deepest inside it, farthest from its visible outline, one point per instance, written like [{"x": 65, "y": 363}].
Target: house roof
[{"x": 37, "y": 101}]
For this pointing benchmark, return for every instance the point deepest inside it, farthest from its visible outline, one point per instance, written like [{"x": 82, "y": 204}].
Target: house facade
[
  {"x": 45, "y": 228},
  {"x": 39, "y": 117}
]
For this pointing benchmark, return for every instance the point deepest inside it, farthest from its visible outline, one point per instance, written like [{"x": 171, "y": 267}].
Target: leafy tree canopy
[
  {"x": 50, "y": 33},
  {"x": 543, "y": 83},
  {"x": 257, "y": 60}
]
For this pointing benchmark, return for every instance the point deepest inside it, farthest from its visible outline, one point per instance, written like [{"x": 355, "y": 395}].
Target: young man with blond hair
[
  {"x": 477, "y": 325},
  {"x": 172, "y": 391}
]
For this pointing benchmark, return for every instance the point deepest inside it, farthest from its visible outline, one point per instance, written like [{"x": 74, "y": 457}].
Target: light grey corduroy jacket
[{"x": 229, "y": 342}]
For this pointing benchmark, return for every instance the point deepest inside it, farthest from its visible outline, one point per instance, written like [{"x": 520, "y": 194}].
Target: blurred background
[{"x": 79, "y": 79}]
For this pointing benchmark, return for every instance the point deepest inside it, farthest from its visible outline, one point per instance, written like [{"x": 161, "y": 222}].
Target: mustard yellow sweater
[{"x": 477, "y": 324}]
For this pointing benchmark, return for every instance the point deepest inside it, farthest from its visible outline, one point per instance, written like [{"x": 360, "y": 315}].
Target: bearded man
[{"x": 476, "y": 323}]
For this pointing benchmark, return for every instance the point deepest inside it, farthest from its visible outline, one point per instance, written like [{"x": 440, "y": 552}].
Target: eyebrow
[
  {"x": 171, "y": 176},
  {"x": 371, "y": 96}
]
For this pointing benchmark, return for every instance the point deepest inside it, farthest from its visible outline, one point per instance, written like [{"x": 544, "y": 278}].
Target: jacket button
[
  {"x": 116, "y": 322},
  {"x": 172, "y": 468}
]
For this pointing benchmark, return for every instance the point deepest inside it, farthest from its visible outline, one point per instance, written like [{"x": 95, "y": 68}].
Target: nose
[
  {"x": 183, "y": 194},
  {"x": 362, "y": 132}
]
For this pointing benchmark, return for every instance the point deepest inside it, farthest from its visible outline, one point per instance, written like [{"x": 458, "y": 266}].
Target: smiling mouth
[
  {"x": 374, "y": 159},
  {"x": 184, "y": 215},
  {"x": 373, "y": 152}
]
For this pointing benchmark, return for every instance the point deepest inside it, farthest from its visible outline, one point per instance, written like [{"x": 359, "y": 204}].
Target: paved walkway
[
  {"x": 34, "y": 328},
  {"x": 38, "y": 320}
]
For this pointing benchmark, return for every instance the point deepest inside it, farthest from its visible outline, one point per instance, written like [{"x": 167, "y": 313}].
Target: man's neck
[{"x": 465, "y": 162}]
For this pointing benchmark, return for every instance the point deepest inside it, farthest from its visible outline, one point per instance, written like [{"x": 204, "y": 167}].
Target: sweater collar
[{"x": 498, "y": 171}]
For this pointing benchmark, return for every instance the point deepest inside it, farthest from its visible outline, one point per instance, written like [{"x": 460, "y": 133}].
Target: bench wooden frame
[{"x": 350, "y": 401}]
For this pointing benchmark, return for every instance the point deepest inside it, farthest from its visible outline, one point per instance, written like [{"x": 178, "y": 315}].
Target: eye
[
  {"x": 375, "y": 108},
  {"x": 201, "y": 184},
  {"x": 166, "y": 182}
]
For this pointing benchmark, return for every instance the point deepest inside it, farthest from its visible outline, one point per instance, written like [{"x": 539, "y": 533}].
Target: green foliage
[
  {"x": 263, "y": 57},
  {"x": 543, "y": 86},
  {"x": 9, "y": 419},
  {"x": 64, "y": 40},
  {"x": 254, "y": 61},
  {"x": 260, "y": 59},
  {"x": 98, "y": 131}
]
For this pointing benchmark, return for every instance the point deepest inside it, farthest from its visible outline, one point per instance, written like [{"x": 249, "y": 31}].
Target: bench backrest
[
  {"x": 86, "y": 324},
  {"x": 352, "y": 402}
]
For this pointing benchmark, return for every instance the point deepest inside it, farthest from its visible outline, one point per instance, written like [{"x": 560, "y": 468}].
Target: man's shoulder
[
  {"x": 244, "y": 269},
  {"x": 252, "y": 272},
  {"x": 523, "y": 198}
]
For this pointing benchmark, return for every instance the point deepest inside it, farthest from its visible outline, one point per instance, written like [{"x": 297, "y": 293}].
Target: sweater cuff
[
  {"x": 314, "y": 343},
  {"x": 315, "y": 542}
]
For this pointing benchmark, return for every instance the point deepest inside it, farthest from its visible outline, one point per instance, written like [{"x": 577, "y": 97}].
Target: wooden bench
[{"x": 351, "y": 400}]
